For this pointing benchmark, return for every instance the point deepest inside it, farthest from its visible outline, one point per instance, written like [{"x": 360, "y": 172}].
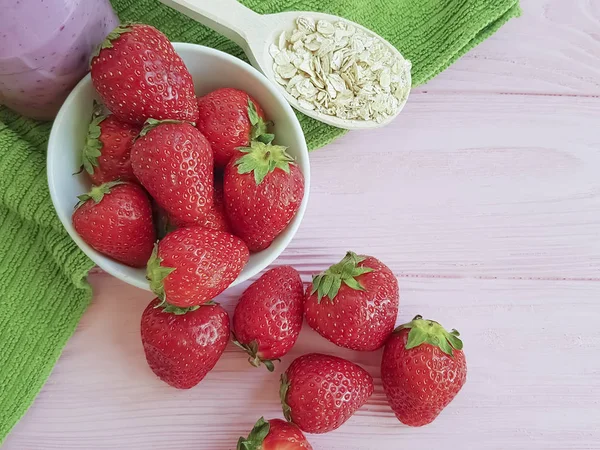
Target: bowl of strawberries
[{"x": 177, "y": 168}]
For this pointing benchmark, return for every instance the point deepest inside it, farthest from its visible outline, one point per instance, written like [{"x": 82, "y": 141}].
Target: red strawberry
[
  {"x": 182, "y": 348},
  {"x": 263, "y": 191},
  {"x": 268, "y": 317},
  {"x": 116, "y": 220},
  {"x": 139, "y": 76},
  {"x": 276, "y": 434},
  {"x": 191, "y": 266},
  {"x": 354, "y": 303},
  {"x": 422, "y": 369},
  {"x": 230, "y": 118},
  {"x": 215, "y": 219},
  {"x": 173, "y": 161},
  {"x": 106, "y": 155},
  {"x": 320, "y": 392}
]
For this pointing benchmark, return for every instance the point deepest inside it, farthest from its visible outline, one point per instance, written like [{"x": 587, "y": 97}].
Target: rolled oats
[{"x": 339, "y": 70}]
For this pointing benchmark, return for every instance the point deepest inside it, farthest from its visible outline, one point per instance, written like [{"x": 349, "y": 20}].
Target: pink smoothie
[{"x": 45, "y": 47}]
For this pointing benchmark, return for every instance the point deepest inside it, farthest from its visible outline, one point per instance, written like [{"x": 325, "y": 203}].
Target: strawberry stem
[
  {"x": 113, "y": 35},
  {"x": 252, "y": 350},
  {"x": 283, "y": 390},
  {"x": 93, "y": 145},
  {"x": 430, "y": 332},
  {"x": 155, "y": 274},
  {"x": 262, "y": 159},
  {"x": 97, "y": 193},
  {"x": 259, "y": 126},
  {"x": 256, "y": 437},
  {"x": 151, "y": 124},
  {"x": 328, "y": 283},
  {"x": 177, "y": 310}
]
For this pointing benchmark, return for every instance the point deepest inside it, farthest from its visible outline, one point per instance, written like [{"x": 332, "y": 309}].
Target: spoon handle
[{"x": 227, "y": 17}]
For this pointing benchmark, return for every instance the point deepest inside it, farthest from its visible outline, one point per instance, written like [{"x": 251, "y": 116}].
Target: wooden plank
[
  {"x": 533, "y": 378},
  {"x": 553, "y": 48},
  {"x": 478, "y": 185}
]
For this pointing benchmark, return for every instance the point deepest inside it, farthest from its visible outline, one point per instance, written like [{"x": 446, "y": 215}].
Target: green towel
[{"x": 43, "y": 291}]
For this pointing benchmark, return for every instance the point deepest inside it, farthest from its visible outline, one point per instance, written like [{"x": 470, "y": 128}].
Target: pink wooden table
[{"x": 483, "y": 197}]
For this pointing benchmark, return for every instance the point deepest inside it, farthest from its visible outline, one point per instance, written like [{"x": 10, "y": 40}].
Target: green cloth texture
[{"x": 43, "y": 288}]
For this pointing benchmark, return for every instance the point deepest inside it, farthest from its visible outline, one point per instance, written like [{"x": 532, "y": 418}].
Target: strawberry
[
  {"x": 116, "y": 220},
  {"x": 215, "y": 218},
  {"x": 276, "y": 434},
  {"x": 268, "y": 317},
  {"x": 139, "y": 76},
  {"x": 191, "y": 266},
  {"x": 230, "y": 118},
  {"x": 173, "y": 161},
  {"x": 263, "y": 191},
  {"x": 422, "y": 369},
  {"x": 182, "y": 348},
  {"x": 354, "y": 303},
  {"x": 106, "y": 155},
  {"x": 320, "y": 392}
]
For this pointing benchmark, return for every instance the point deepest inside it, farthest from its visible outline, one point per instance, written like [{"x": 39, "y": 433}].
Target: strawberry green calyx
[
  {"x": 113, "y": 35},
  {"x": 256, "y": 437},
  {"x": 97, "y": 193},
  {"x": 259, "y": 126},
  {"x": 91, "y": 151},
  {"x": 262, "y": 159},
  {"x": 178, "y": 311},
  {"x": 151, "y": 124},
  {"x": 155, "y": 274},
  {"x": 252, "y": 350},
  {"x": 328, "y": 283},
  {"x": 430, "y": 332},
  {"x": 283, "y": 390}
]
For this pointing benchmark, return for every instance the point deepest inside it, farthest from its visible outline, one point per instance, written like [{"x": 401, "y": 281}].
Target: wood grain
[
  {"x": 480, "y": 185},
  {"x": 533, "y": 378},
  {"x": 484, "y": 199},
  {"x": 551, "y": 49}
]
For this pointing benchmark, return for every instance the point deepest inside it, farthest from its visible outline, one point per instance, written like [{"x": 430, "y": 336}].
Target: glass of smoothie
[{"x": 45, "y": 49}]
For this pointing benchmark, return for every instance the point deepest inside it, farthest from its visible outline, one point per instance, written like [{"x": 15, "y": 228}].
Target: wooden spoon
[{"x": 254, "y": 33}]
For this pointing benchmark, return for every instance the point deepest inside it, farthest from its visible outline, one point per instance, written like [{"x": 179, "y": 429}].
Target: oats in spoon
[{"x": 340, "y": 70}]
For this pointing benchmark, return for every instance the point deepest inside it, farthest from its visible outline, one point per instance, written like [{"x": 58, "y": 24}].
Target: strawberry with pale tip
[{"x": 423, "y": 367}]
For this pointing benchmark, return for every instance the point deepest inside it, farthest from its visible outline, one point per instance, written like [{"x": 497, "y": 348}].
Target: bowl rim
[{"x": 113, "y": 267}]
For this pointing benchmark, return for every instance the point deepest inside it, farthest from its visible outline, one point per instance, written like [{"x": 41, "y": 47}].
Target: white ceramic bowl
[{"x": 211, "y": 69}]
